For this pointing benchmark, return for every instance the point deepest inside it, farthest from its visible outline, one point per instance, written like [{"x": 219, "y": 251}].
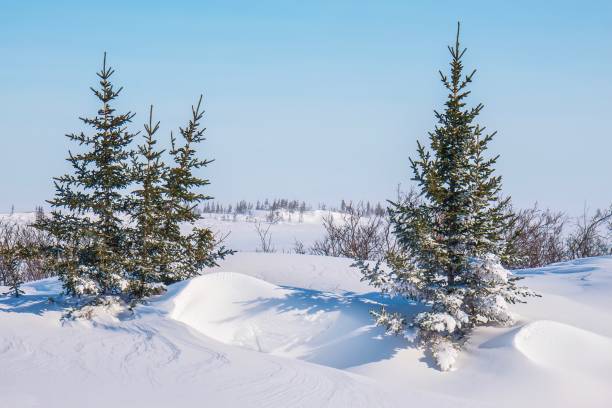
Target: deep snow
[{"x": 281, "y": 330}]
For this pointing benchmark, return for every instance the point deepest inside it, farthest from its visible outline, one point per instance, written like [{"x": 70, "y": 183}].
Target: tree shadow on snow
[
  {"x": 31, "y": 304},
  {"x": 41, "y": 296},
  {"x": 353, "y": 339}
]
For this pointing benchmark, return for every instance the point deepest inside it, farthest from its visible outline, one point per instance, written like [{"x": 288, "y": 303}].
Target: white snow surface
[{"x": 284, "y": 330}]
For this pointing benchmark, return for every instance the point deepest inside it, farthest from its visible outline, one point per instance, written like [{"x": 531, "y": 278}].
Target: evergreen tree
[
  {"x": 451, "y": 237},
  {"x": 188, "y": 254},
  {"x": 90, "y": 251},
  {"x": 147, "y": 208},
  {"x": 107, "y": 242},
  {"x": 12, "y": 263},
  {"x": 13, "y": 254}
]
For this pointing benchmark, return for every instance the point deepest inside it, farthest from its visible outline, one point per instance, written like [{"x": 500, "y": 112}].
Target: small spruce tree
[
  {"x": 450, "y": 238},
  {"x": 147, "y": 207},
  {"x": 187, "y": 254},
  {"x": 12, "y": 264},
  {"x": 13, "y": 254}
]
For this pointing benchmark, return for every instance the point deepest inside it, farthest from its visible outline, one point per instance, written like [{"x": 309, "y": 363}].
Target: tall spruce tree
[
  {"x": 91, "y": 240},
  {"x": 450, "y": 238},
  {"x": 188, "y": 253}
]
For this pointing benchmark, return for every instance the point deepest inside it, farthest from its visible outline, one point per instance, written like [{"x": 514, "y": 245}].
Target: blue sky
[{"x": 317, "y": 100}]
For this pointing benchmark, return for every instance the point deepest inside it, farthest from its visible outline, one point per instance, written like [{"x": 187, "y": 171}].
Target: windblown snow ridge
[
  {"x": 245, "y": 311},
  {"x": 554, "y": 345}
]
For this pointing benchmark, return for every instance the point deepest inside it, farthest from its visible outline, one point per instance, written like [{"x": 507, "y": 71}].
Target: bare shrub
[
  {"x": 265, "y": 238},
  {"x": 590, "y": 236},
  {"x": 540, "y": 237},
  {"x": 536, "y": 238},
  {"x": 21, "y": 258},
  {"x": 353, "y": 234},
  {"x": 299, "y": 247}
]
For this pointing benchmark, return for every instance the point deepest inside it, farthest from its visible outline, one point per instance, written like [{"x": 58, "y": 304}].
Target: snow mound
[
  {"x": 245, "y": 311},
  {"x": 232, "y": 308},
  {"x": 560, "y": 346}
]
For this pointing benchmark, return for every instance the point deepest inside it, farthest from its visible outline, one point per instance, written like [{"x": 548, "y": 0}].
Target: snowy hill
[{"x": 287, "y": 330}]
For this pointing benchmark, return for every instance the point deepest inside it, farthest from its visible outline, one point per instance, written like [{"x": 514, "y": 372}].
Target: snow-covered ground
[
  {"x": 289, "y": 228},
  {"x": 240, "y": 230},
  {"x": 287, "y": 330}
]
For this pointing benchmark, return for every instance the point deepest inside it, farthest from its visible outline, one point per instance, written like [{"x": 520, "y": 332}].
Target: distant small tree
[
  {"x": 298, "y": 247},
  {"x": 39, "y": 213}
]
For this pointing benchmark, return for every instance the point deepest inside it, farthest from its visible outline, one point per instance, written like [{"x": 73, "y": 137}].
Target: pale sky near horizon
[{"x": 317, "y": 100}]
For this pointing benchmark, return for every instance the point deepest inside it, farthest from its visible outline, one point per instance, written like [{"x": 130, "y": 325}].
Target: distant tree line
[{"x": 246, "y": 207}]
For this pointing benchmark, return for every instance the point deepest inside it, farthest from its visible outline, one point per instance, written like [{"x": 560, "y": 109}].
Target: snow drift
[
  {"x": 241, "y": 310},
  {"x": 554, "y": 345}
]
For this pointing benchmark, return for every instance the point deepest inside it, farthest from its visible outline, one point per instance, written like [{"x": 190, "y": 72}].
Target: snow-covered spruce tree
[
  {"x": 12, "y": 264},
  {"x": 90, "y": 249},
  {"x": 147, "y": 208},
  {"x": 187, "y": 254},
  {"x": 451, "y": 238}
]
